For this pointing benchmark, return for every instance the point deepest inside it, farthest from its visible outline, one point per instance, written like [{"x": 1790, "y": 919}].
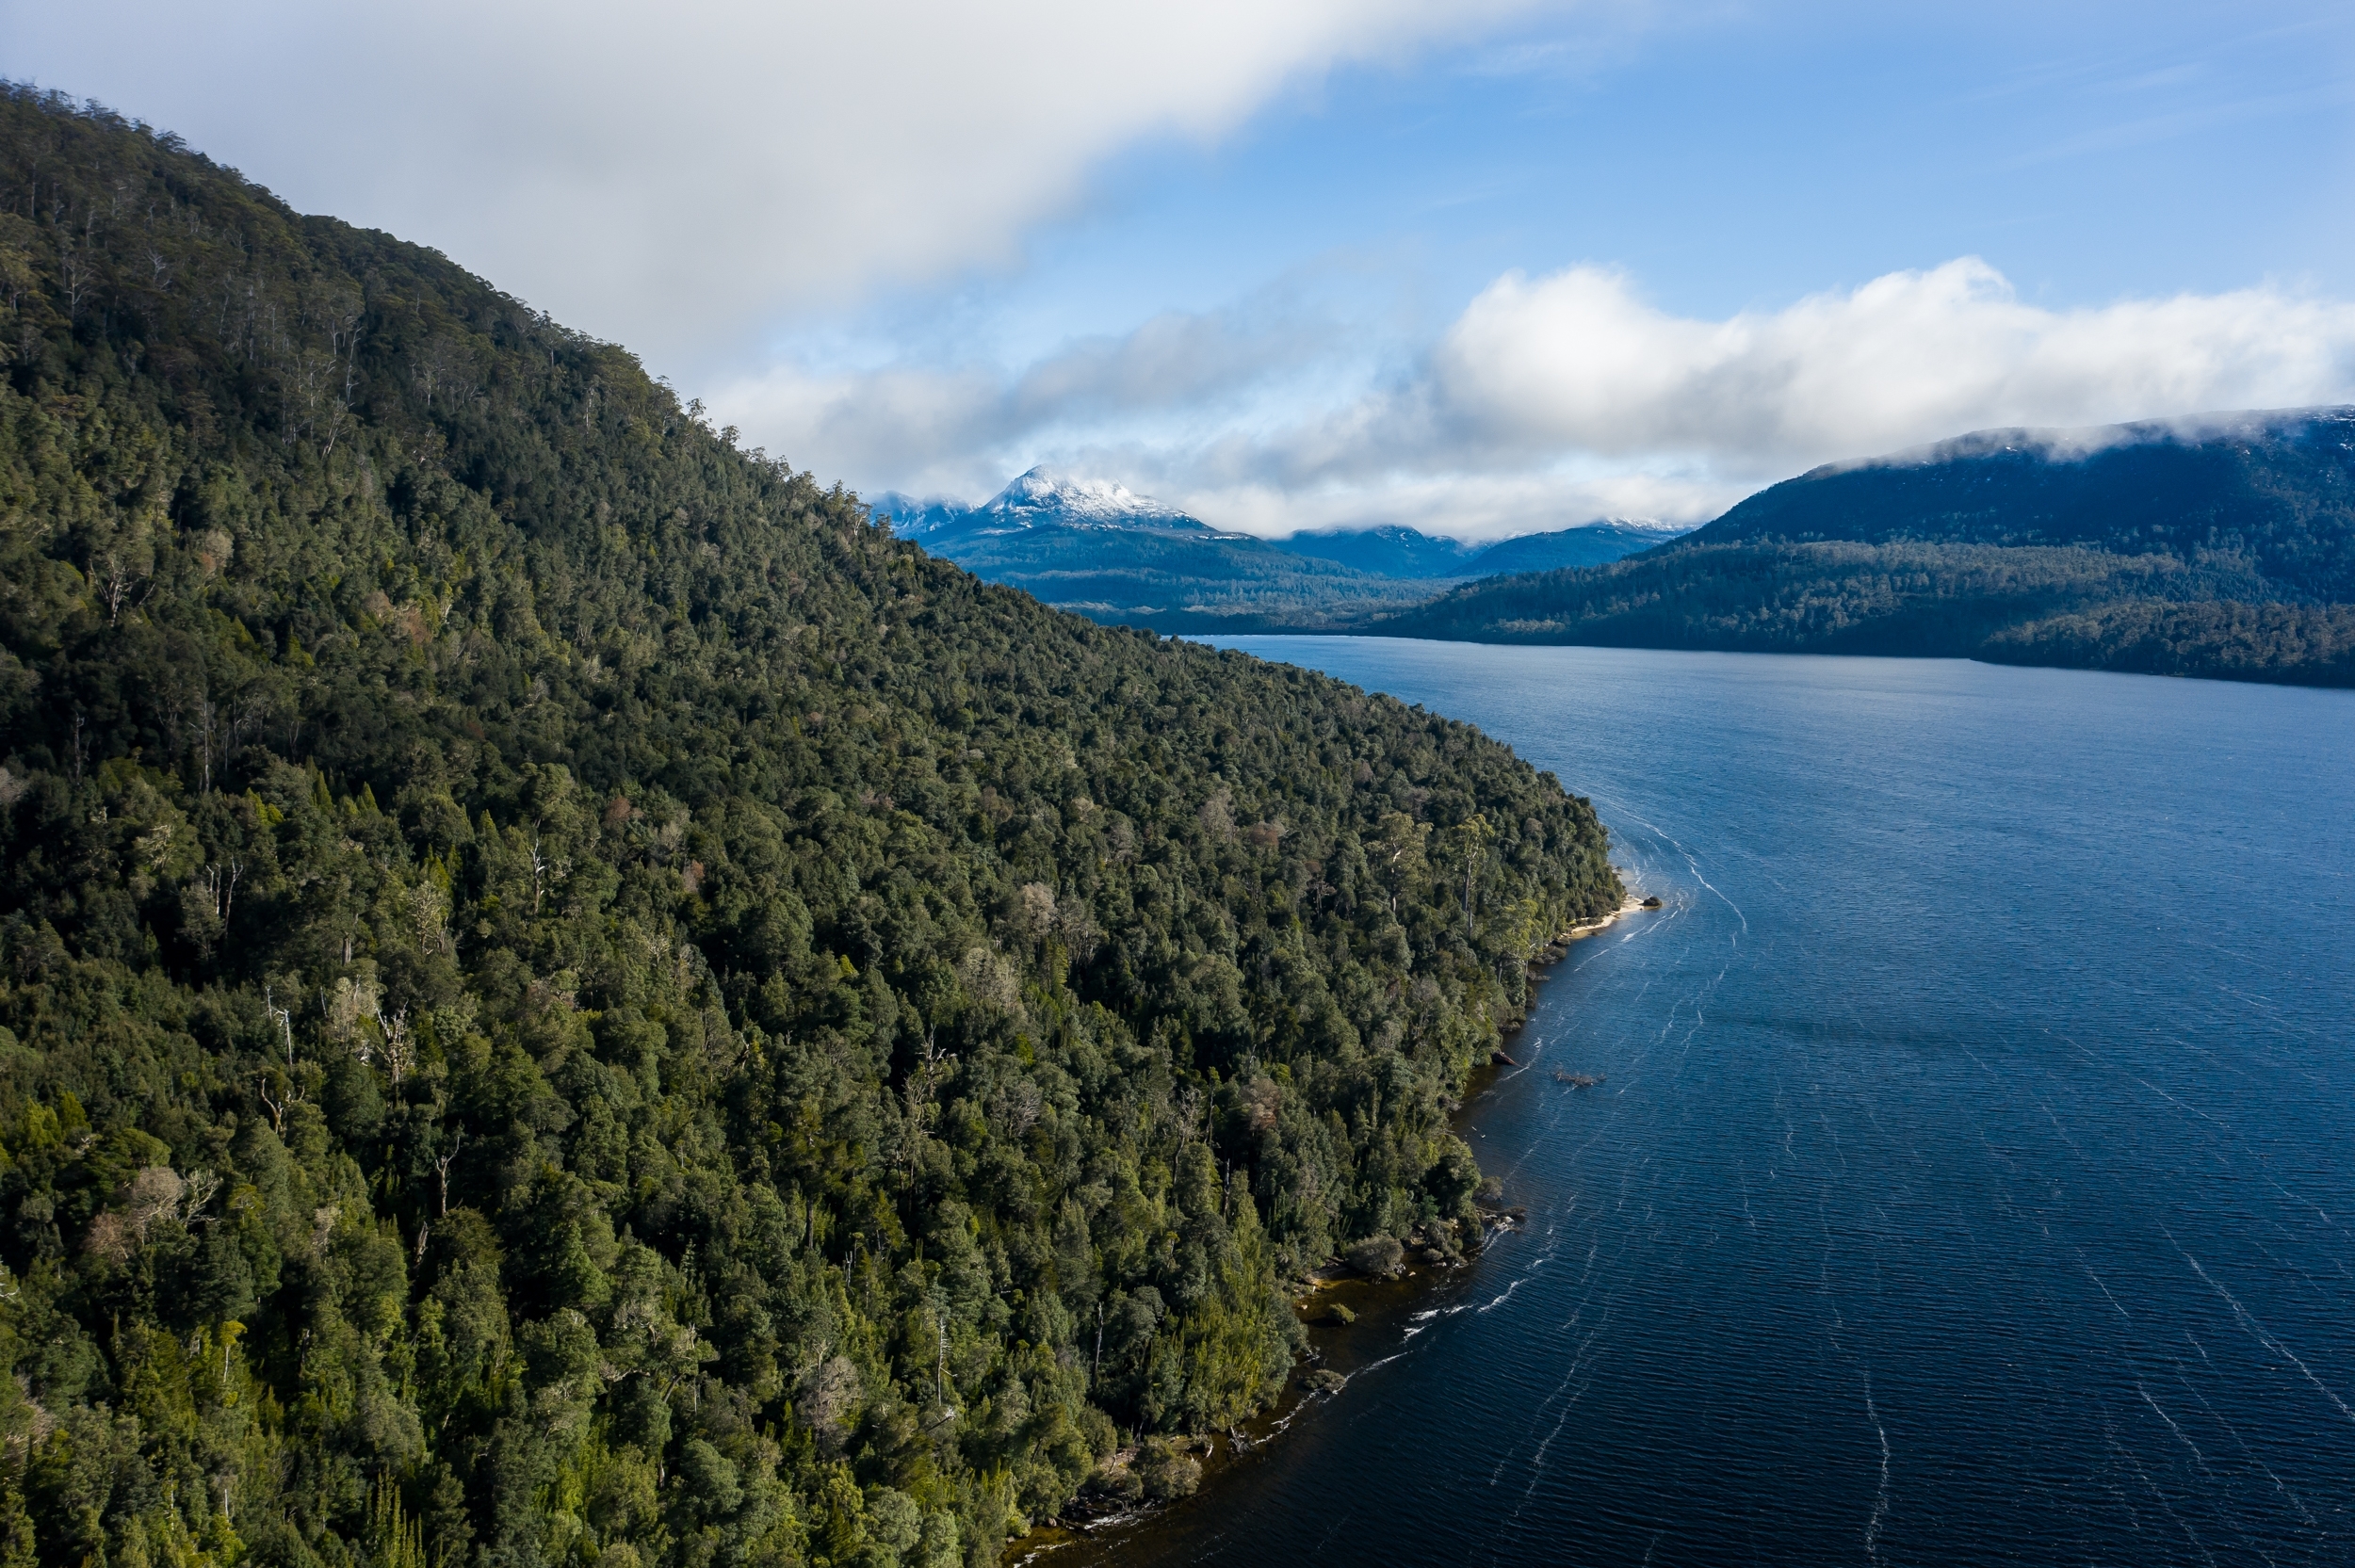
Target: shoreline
[
  {"x": 1406, "y": 1297},
  {"x": 1633, "y": 903}
]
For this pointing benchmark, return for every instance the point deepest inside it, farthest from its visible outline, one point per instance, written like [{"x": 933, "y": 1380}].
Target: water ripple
[{"x": 1968, "y": 1181}]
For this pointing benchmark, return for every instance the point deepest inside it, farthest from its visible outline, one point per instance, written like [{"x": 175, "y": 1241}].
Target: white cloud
[
  {"x": 1472, "y": 506},
  {"x": 1176, "y": 385},
  {"x": 664, "y": 175},
  {"x": 1556, "y": 400},
  {"x": 1229, "y": 453},
  {"x": 1577, "y": 361}
]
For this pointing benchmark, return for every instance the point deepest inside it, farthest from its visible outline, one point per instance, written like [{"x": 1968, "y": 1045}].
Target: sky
[{"x": 1482, "y": 267}]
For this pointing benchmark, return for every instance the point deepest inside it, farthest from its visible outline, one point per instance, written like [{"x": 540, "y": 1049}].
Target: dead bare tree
[
  {"x": 74, "y": 272},
  {"x": 284, "y": 1017},
  {"x": 117, "y": 586},
  {"x": 343, "y": 338},
  {"x": 439, "y": 368},
  {"x": 442, "y": 1163},
  {"x": 221, "y": 887},
  {"x": 399, "y": 1046},
  {"x": 921, "y": 1090},
  {"x": 199, "y": 1191},
  {"x": 207, "y": 719}
]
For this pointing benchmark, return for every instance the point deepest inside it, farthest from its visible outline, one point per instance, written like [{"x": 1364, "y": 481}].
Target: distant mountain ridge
[
  {"x": 1391, "y": 550},
  {"x": 1096, "y": 546},
  {"x": 1100, "y": 549},
  {"x": 1042, "y": 498},
  {"x": 2221, "y": 545},
  {"x": 1395, "y": 551},
  {"x": 1594, "y": 544}
]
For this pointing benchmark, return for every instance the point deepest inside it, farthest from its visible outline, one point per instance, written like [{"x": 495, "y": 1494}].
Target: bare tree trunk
[{"x": 441, "y": 1164}]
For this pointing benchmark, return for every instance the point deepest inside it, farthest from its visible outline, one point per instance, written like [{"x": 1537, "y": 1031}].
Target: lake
[{"x": 1973, "y": 1173}]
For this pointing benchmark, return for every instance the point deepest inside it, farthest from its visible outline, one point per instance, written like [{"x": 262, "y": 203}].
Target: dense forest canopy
[
  {"x": 2271, "y": 493},
  {"x": 2226, "y": 550},
  {"x": 565, "y": 999}
]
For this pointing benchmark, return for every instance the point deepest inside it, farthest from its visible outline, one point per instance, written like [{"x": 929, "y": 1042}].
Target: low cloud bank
[
  {"x": 1555, "y": 400},
  {"x": 1578, "y": 359}
]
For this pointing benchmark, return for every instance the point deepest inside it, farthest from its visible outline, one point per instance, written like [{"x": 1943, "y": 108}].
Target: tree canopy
[{"x": 565, "y": 999}]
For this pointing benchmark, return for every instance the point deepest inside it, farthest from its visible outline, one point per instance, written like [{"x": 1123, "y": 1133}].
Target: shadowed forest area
[
  {"x": 2225, "y": 550},
  {"x": 566, "y": 999}
]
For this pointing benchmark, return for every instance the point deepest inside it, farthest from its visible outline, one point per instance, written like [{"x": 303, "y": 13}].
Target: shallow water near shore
[{"x": 1973, "y": 1179}]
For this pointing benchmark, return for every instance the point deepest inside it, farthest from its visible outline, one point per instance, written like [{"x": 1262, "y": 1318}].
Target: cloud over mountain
[{"x": 1553, "y": 399}]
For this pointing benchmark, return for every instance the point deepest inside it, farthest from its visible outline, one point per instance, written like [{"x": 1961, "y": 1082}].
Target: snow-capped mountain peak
[
  {"x": 1042, "y": 498},
  {"x": 1055, "y": 496}
]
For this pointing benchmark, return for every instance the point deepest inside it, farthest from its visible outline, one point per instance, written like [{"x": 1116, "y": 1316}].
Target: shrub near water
[
  {"x": 1377, "y": 1256},
  {"x": 565, "y": 999}
]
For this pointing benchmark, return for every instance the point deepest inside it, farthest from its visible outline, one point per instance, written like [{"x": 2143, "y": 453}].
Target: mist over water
[{"x": 1973, "y": 1176}]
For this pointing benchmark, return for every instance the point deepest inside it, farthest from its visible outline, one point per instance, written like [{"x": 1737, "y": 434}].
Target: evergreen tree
[{"x": 566, "y": 998}]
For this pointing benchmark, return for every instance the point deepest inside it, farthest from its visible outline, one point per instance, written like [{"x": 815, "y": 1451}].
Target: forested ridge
[
  {"x": 565, "y": 999},
  {"x": 2269, "y": 492},
  {"x": 2222, "y": 549}
]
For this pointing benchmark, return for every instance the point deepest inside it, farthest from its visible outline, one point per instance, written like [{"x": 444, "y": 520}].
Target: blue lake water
[{"x": 1974, "y": 1176}]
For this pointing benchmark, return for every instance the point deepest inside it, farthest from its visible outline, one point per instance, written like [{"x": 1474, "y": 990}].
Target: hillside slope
[
  {"x": 2223, "y": 547},
  {"x": 565, "y": 999},
  {"x": 2273, "y": 490}
]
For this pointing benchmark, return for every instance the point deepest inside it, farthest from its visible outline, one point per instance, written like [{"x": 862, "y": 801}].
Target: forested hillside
[
  {"x": 2270, "y": 494},
  {"x": 2226, "y": 551},
  {"x": 563, "y": 998}
]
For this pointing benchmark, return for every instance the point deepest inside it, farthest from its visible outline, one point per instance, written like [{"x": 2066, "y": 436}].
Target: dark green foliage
[
  {"x": 2269, "y": 494},
  {"x": 2231, "y": 556},
  {"x": 2290, "y": 645},
  {"x": 2018, "y": 605},
  {"x": 565, "y": 999}
]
